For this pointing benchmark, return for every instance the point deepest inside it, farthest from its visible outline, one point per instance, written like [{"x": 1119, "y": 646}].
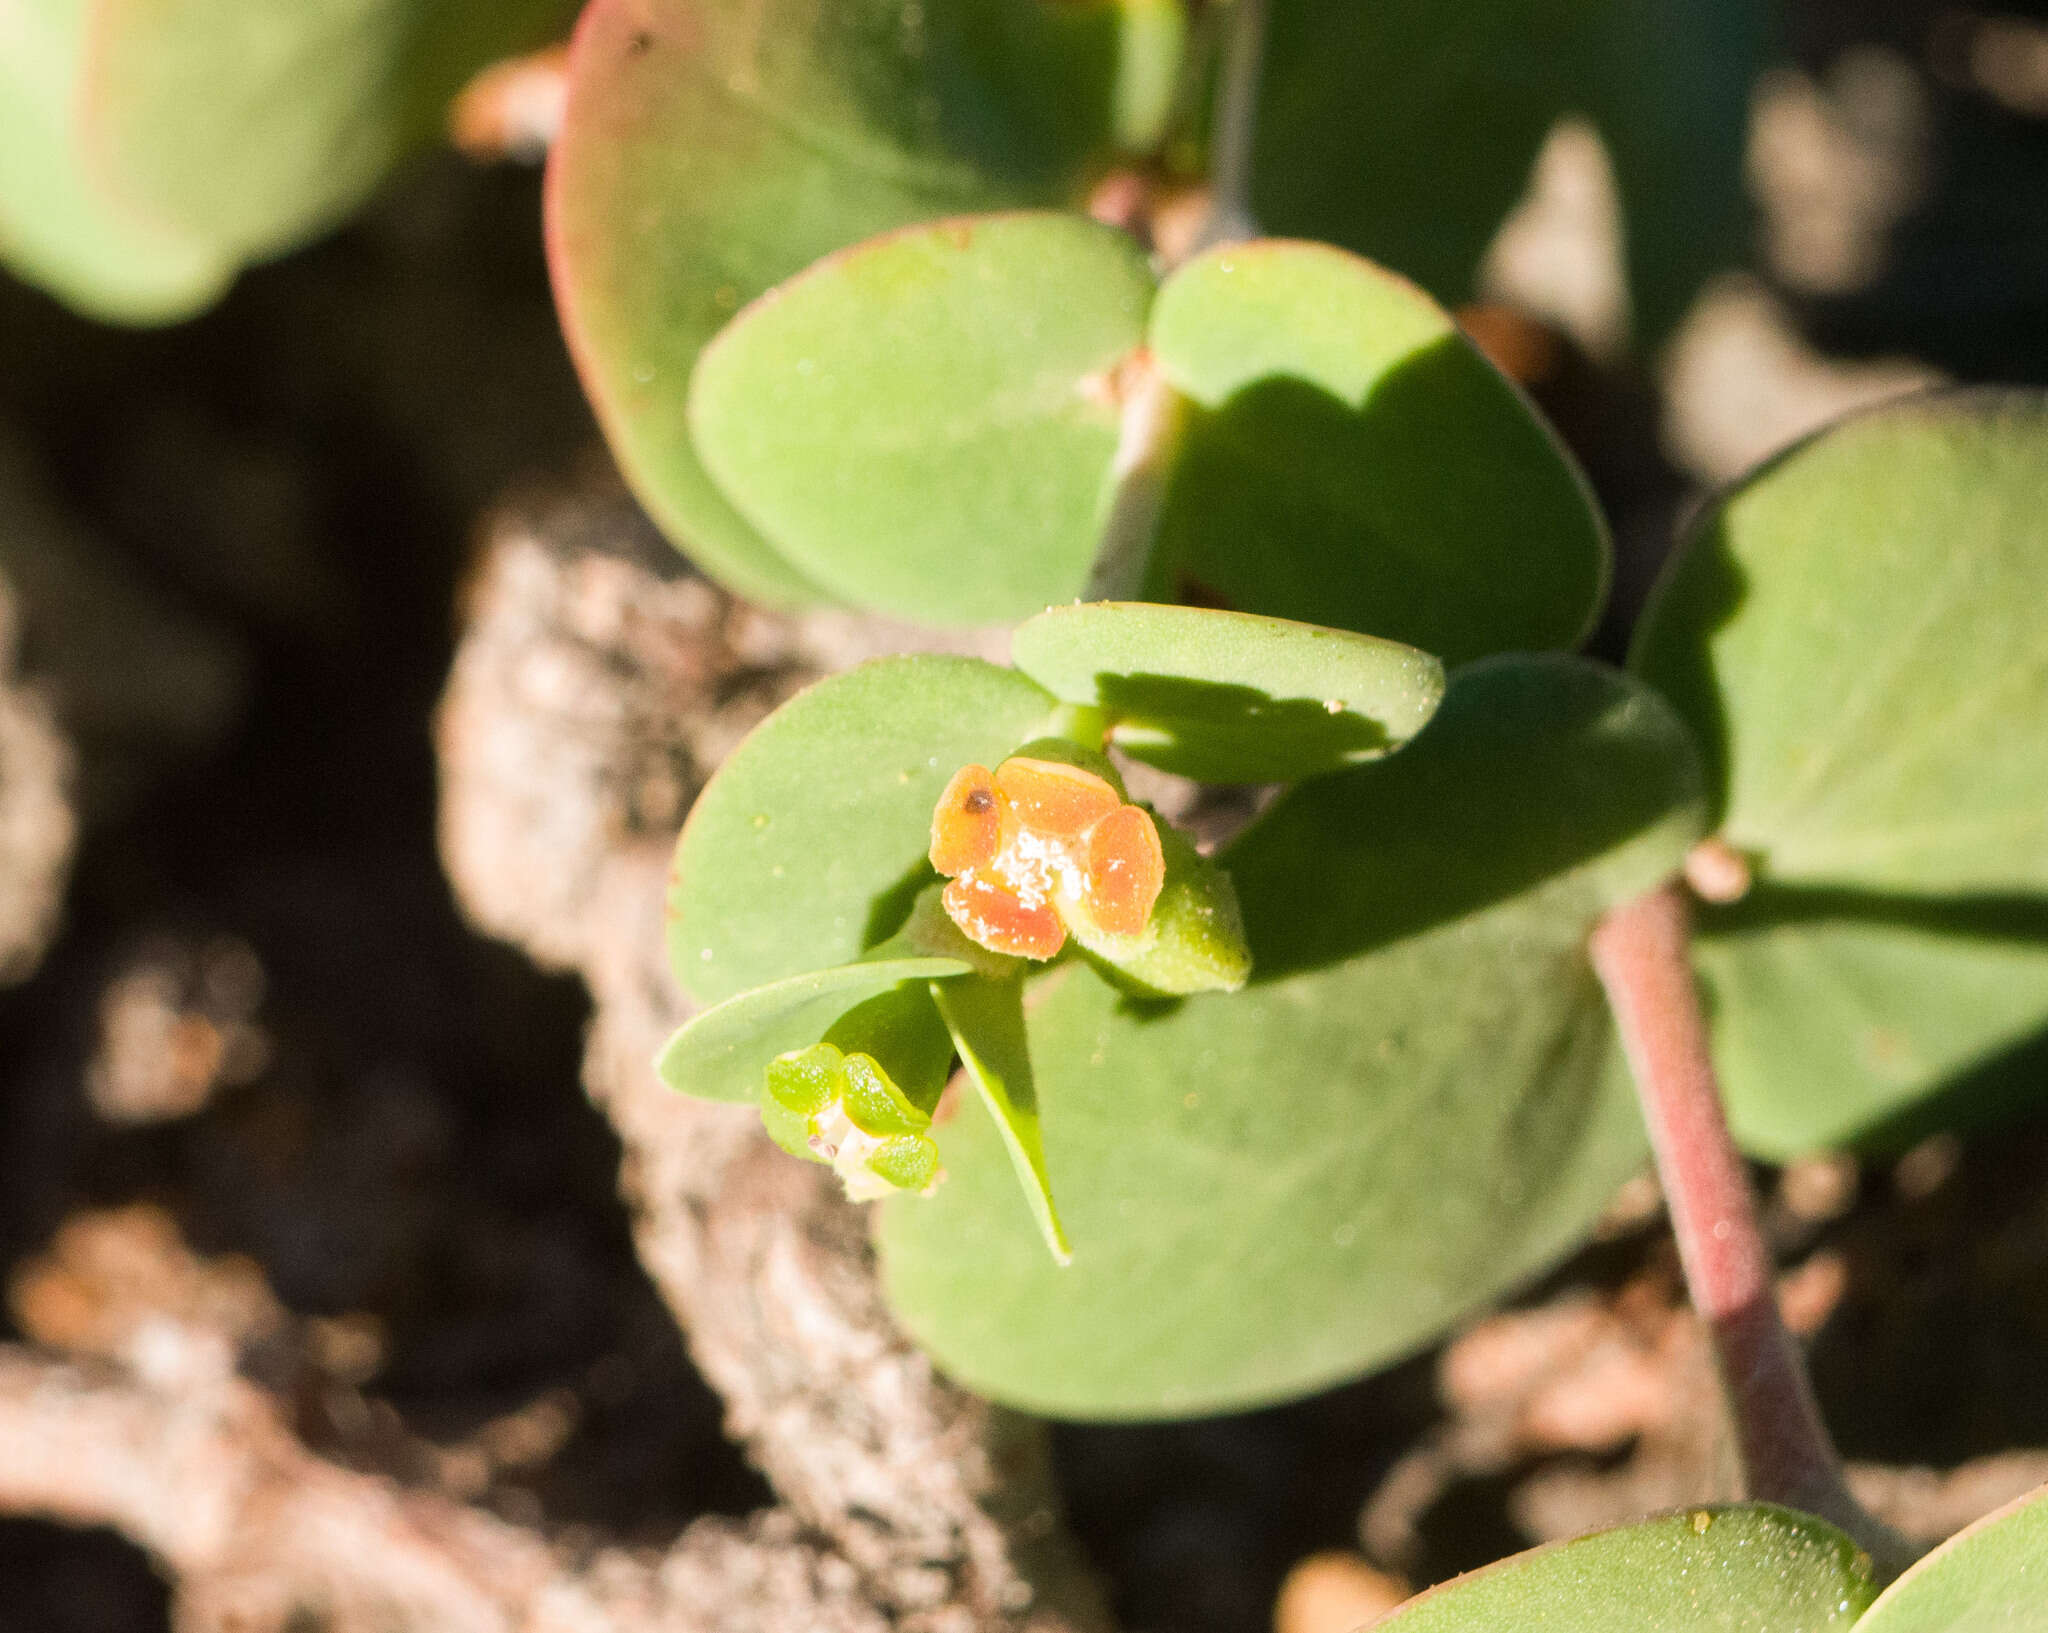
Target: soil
[{"x": 382, "y": 1109}]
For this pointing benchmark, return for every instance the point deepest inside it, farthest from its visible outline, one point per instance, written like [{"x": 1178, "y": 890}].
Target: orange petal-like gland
[
  {"x": 1126, "y": 869},
  {"x": 967, "y": 823},
  {"x": 992, "y": 915},
  {"x": 1058, "y": 801}
]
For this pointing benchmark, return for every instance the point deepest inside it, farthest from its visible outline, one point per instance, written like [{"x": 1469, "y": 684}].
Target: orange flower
[{"x": 1037, "y": 846}]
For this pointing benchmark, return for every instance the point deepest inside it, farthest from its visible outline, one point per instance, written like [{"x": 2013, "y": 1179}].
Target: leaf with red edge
[{"x": 713, "y": 148}]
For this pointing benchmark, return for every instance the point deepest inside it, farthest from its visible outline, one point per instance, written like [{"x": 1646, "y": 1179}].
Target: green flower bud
[{"x": 828, "y": 1106}]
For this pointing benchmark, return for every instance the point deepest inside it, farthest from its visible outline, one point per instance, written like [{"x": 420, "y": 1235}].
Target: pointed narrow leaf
[
  {"x": 1416, "y": 1103},
  {"x": 924, "y": 424},
  {"x": 723, "y": 1053},
  {"x": 808, "y": 847},
  {"x": 1990, "y": 1578},
  {"x": 1227, "y": 696},
  {"x": 1749, "y": 1569},
  {"x": 1355, "y": 461},
  {"x": 986, "y": 1019}
]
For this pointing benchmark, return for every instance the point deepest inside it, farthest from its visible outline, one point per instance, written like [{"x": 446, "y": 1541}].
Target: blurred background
[{"x": 259, "y": 1071}]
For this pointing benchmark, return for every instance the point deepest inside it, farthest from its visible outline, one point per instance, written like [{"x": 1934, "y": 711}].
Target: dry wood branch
[
  {"x": 147, "y": 1426},
  {"x": 595, "y": 689},
  {"x": 260, "y": 1535}
]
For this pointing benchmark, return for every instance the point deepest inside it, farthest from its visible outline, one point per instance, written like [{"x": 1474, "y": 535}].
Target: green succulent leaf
[
  {"x": 1668, "y": 84},
  {"x": 1230, "y": 697},
  {"x": 1749, "y": 1569},
  {"x": 1415, "y": 1104},
  {"x": 1833, "y": 1017},
  {"x": 986, "y": 1019},
  {"x": 1855, "y": 634},
  {"x": 807, "y": 849},
  {"x": 58, "y": 227},
  {"x": 1354, "y": 460},
  {"x": 924, "y": 424},
  {"x": 255, "y": 127},
  {"x": 713, "y": 148},
  {"x": 1408, "y": 176},
  {"x": 723, "y": 1054},
  {"x": 1990, "y": 1578}
]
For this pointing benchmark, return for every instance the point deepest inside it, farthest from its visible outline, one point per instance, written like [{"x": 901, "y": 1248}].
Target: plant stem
[
  {"x": 1237, "y": 118},
  {"x": 1640, "y": 952},
  {"x": 1154, "y": 416}
]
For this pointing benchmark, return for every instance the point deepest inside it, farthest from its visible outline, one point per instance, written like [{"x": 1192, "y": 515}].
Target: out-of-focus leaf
[
  {"x": 1393, "y": 134},
  {"x": 255, "y": 126},
  {"x": 58, "y": 229},
  {"x": 1752, "y": 1569},
  {"x": 1990, "y": 1578}
]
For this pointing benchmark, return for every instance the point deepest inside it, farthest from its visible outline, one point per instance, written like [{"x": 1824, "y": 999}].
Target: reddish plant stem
[{"x": 1640, "y": 952}]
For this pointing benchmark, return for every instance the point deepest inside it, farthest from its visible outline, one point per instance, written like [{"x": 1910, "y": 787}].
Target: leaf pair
[
  {"x": 1750, "y": 1569},
  {"x": 801, "y": 892},
  {"x": 149, "y": 148},
  {"x": 1414, "y": 1104},
  {"x": 713, "y": 148},
  {"x": 1856, "y": 635},
  {"x": 931, "y": 424}
]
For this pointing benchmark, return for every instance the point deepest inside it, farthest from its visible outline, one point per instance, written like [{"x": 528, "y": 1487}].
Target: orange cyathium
[{"x": 1038, "y": 846}]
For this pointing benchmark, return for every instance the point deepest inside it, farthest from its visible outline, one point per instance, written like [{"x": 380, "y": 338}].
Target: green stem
[
  {"x": 1236, "y": 126},
  {"x": 1154, "y": 417},
  {"x": 1641, "y": 953}
]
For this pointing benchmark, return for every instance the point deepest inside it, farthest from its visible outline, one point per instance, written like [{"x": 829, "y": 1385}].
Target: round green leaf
[
  {"x": 1749, "y": 1569},
  {"x": 722, "y": 1053},
  {"x": 1856, "y": 634},
  {"x": 808, "y": 847},
  {"x": 1353, "y": 460},
  {"x": 58, "y": 229},
  {"x": 256, "y": 126},
  {"x": 924, "y": 424},
  {"x": 713, "y": 148},
  {"x": 1227, "y": 696},
  {"x": 1990, "y": 1578},
  {"x": 1833, "y": 1017},
  {"x": 1415, "y": 1104}
]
